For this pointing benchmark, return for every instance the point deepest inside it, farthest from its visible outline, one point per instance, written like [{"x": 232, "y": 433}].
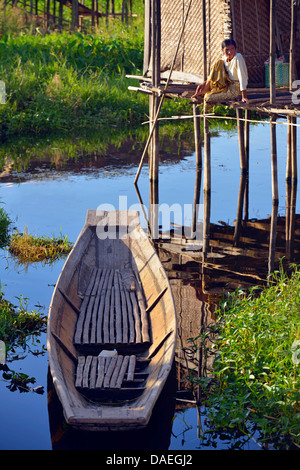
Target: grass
[
  {"x": 66, "y": 82},
  {"x": 256, "y": 386},
  {"x": 29, "y": 248}
]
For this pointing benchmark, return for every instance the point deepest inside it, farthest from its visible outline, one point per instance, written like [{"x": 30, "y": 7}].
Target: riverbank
[{"x": 66, "y": 82}]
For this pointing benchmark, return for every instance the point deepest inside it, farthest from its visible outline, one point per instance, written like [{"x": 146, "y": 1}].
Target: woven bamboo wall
[
  {"x": 247, "y": 21},
  {"x": 251, "y": 23},
  {"x": 190, "y": 56}
]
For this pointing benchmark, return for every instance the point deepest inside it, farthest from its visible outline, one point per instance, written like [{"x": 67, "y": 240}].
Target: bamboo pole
[
  {"x": 162, "y": 97},
  {"x": 288, "y": 181},
  {"x": 238, "y": 222},
  {"x": 154, "y": 99},
  {"x": 292, "y": 71},
  {"x": 206, "y": 187},
  {"x": 197, "y": 134},
  {"x": 241, "y": 135},
  {"x": 204, "y": 48},
  {"x": 247, "y": 156},
  {"x": 75, "y": 18},
  {"x": 272, "y": 52},
  {"x": 275, "y": 199},
  {"x": 147, "y": 48},
  {"x": 61, "y": 6},
  {"x": 293, "y": 190}
]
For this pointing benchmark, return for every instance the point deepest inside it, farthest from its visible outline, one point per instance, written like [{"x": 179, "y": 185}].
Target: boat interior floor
[
  {"x": 112, "y": 327},
  {"x": 111, "y": 378}
]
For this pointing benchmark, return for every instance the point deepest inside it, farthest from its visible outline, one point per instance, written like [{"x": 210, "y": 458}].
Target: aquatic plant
[
  {"x": 256, "y": 382},
  {"x": 29, "y": 248},
  {"x": 19, "y": 326},
  {"x": 5, "y": 223},
  {"x": 17, "y": 323}
]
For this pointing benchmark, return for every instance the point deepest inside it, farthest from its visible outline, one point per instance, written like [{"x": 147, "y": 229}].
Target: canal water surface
[{"x": 51, "y": 196}]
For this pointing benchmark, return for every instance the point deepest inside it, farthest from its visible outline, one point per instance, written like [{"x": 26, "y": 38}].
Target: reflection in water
[{"x": 237, "y": 257}]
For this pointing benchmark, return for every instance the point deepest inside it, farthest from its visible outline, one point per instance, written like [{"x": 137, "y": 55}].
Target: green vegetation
[
  {"x": 5, "y": 223},
  {"x": 65, "y": 82},
  {"x": 18, "y": 326},
  {"x": 256, "y": 368},
  {"x": 17, "y": 323},
  {"x": 29, "y": 248}
]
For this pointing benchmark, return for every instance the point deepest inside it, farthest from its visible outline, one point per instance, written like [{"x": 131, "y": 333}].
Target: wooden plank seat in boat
[
  {"x": 113, "y": 313},
  {"x": 112, "y": 378}
]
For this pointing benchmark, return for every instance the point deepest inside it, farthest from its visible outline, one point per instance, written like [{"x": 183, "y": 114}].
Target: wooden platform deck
[{"x": 287, "y": 102}]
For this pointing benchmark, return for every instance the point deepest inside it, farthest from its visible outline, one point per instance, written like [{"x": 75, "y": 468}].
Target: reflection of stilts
[
  {"x": 197, "y": 133},
  {"x": 206, "y": 187},
  {"x": 243, "y": 134},
  {"x": 247, "y": 146},
  {"x": 291, "y": 186},
  {"x": 238, "y": 223},
  {"x": 275, "y": 199}
]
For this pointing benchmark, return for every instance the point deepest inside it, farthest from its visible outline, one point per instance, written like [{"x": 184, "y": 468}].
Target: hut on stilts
[{"x": 182, "y": 41}]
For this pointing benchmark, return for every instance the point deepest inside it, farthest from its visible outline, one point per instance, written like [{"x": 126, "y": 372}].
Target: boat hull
[{"x": 126, "y": 244}]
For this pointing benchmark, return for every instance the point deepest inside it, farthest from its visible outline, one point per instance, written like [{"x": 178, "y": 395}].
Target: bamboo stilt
[
  {"x": 154, "y": 99},
  {"x": 293, "y": 189},
  {"x": 197, "y": 134},
  {"x": 162, "y": 97},
  {"x": 288, "y": 182},
  {"x": 293, "y": 42},
  {"x": 274, "y": 197},
  {"x": 238, "y": 222},
  {"x": 247, "y": 157},
  {"x": 241, "y": 135},
  {"x": 272, "y": 52},
  {"x": 204, "y": 40},
  {"x": 75, "y": 17},
  {"x": 206, "y": 187}
]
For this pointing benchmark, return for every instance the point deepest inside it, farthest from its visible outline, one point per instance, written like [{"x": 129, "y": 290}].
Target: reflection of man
[{"x": 2, "y": 93}]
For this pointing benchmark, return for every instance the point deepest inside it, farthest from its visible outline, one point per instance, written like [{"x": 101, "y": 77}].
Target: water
[{"x": 49, "y": 199}]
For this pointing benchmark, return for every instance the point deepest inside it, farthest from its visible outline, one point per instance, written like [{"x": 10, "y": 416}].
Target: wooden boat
[{"x": 111, "y": 325}]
